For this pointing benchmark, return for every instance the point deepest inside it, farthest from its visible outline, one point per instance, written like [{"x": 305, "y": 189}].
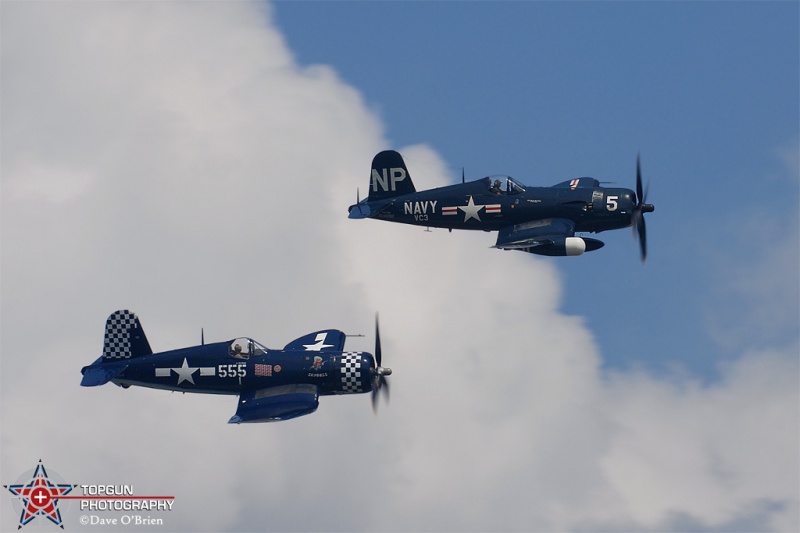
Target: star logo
[
  {"x": 185, "y": 372},
  {"x": 40, "y": 497},
  {"x": 471, "y": 210}
]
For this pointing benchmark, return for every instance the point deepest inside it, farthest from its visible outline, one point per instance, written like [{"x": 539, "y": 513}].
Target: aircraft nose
[
  {"x": 355, "y": 372},
  {"x": 648, "y": 208}
]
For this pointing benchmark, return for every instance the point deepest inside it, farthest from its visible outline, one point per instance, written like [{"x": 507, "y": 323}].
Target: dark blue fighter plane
[
  {"x": 539, "y": 220},
  {"x": 271, "y": 384}
]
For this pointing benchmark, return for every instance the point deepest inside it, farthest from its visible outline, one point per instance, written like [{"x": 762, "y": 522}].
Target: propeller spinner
[
  {"x": 379, "y": 373},
  {"x": 637, "y": 217}
]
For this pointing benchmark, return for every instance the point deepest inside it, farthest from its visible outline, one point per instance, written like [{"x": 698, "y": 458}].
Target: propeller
[
  {"x": 637, "y": 217},
  {"x": 379, "y": 373}
]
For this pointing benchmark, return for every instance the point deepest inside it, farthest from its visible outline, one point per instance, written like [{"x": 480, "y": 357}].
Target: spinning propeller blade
[
  {"x": 637, "y": 217},
  {"x": 379, "y": 373}
]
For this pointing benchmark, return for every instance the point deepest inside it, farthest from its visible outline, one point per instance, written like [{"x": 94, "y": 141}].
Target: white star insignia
[
  {"x": 185, "y": 372},
  {"x": 471, "y": 210}
]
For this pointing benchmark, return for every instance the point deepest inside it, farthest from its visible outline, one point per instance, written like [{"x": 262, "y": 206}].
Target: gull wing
[
  {"x": 551, "y": 236},
  {"x": 276, "y": 403},
  {"x": 534, "y": 234}
]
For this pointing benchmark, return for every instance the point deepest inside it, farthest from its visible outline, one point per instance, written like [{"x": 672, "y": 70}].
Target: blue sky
[
  {"x": 545, "y": 91},
  {"x": 193, "y": 162}
]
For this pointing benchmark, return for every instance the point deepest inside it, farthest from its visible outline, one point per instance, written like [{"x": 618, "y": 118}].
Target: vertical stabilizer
[
  {"x": 389, "y": 176},
  {"x": 124, "y": 337}
]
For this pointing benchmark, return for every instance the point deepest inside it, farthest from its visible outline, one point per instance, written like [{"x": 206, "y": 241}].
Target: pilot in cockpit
[
  {"x": 237, "y": 350},
  {"x": 495, "y": 188}
]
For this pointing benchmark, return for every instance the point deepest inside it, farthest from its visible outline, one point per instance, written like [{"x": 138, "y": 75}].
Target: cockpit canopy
[
  {"x": 503, "y": 185},
  {"x": 245, "y": 348}
]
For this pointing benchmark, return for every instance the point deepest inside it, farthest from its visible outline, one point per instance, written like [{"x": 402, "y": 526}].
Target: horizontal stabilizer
[
  {"x": 276, "y": 403},
  {"x": 101, "y": 374},
  {"x": 326, "y": 340},
  {"x": 360, "y": 210}
]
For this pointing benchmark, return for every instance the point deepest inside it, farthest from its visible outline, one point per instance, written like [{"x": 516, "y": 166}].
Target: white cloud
[
  {"x": 186, "y": 168},
  {"x": 758, "y": 294},
  {"x": 711, "y": 451},
  {"x": 789, "y": 154}
]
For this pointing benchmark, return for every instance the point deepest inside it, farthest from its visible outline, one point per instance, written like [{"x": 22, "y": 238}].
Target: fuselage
[
  {"x": 216, "y": 369},
  {"x": 481, "y": 205}
]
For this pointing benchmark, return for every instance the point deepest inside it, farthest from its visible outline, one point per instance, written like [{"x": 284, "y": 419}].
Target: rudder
[
  {"x": 389, "y": 176},
  {"x": 124, "y": 337}
]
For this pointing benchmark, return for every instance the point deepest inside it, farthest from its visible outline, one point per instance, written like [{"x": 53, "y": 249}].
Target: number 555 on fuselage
[
  {"x": 539, "y": 220},
  {"x": 271, "y": 384}
]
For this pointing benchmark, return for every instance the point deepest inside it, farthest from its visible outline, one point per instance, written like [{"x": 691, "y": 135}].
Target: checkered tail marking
[{"x": 117, "y": 341}]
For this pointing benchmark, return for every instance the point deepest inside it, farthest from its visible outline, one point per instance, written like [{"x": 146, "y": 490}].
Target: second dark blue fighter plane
[
  {"x": 271, "y": 384},
  {"x": 539, "y": 220}
]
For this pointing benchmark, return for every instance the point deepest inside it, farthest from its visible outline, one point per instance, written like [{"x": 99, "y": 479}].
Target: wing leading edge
[{"x": 276, "y": 403}]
